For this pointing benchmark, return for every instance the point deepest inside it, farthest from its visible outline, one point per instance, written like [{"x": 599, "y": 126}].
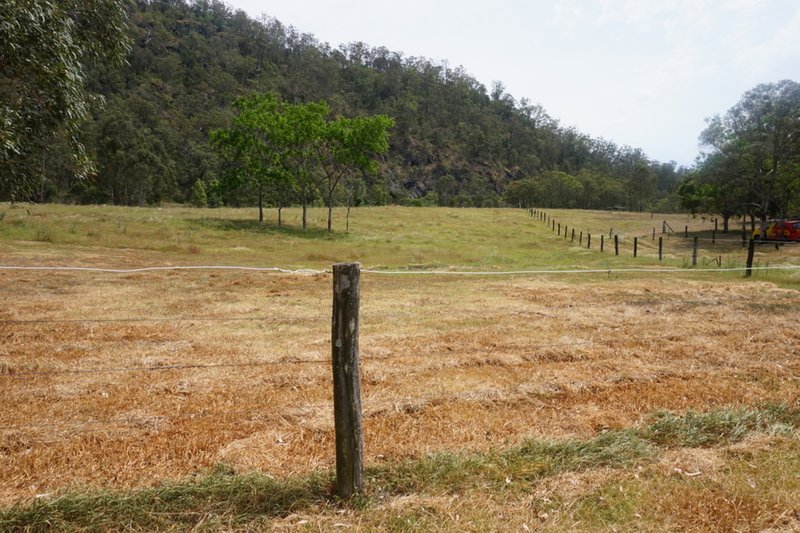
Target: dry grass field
[{"x": 126, "y": 381}]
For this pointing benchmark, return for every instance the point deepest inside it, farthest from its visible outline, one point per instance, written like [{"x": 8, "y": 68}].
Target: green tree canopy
[
  {"x": 45, "y": 48},
  {"x": 754, "y": 156}
]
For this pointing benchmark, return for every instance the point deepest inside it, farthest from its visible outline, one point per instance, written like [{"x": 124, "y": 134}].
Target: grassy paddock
[
  {"x": 379, "y": 237},
  {"x": 201, "y": 399}
]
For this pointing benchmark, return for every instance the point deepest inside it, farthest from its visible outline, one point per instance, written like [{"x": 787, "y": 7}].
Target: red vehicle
[{"x": 785, "y": 230}]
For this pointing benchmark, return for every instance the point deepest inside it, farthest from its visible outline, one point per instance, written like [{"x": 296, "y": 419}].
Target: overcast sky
[{"x": 644, "y": 73}]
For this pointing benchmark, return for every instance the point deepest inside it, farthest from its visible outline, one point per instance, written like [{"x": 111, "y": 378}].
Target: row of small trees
[{"x": 288, "y": 153}]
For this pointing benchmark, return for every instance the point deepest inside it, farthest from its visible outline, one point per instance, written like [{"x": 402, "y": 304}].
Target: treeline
[
  {"x": 454, "y": 142},
  {"x": 751, "y": 165}
]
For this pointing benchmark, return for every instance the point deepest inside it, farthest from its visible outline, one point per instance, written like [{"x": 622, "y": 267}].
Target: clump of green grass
[
  {"x": 724, "y": 426},
  {"x": 239, "y": 498}
]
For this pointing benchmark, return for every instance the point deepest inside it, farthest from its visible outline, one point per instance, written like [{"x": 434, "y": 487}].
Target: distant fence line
[
  {"x": 408, "y": 272},
  {"x": 555, "y": 226}
]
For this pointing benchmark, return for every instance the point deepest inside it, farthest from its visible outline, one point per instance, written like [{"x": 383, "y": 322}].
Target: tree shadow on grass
[
  {"x": 221, "y": 496},
  {"x": 264, "y": 228}
]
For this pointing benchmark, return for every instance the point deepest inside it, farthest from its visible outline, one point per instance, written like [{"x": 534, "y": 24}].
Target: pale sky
[{"x": 643, "y": 73}]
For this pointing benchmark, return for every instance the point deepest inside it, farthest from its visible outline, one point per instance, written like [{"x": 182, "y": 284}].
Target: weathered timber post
[
  {"x": 602, "y": 242},
  {"x": 694, "y": 252},
  {"x": 716, "y": 226},
  {"x": 588, "y": 240},
  {"x": 751, "y": 252},
  {"x": 660, "y": 248},
  {"x": 580, "y": 240},
  {"x": 573, "y": 235},
  {"x": 635, "y": 246},
  {"x": 616, "y": 244},
  {"x": 664, "y": 227},
  {"x": 559, "y": 229},
  {"x": 686, "y": 232},
  {"x": 610, "y": 232},
  {"x": 654, "y": 234},
  {"x": 554, "y": 224},
  {"x": 346, "y": 380}
]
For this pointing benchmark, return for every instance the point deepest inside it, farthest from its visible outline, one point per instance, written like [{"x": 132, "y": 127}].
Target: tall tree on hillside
[{"x": 45, "y": 47}]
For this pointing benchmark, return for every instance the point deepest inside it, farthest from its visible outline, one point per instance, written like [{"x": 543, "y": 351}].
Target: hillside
[{"x": 455, "y": 142}]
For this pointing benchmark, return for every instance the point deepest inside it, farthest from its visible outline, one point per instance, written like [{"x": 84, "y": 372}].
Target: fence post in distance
[
  {"x": 635, "y": 246},
  {"x": 346, "y": 380},
  {"x": 616, "y": 244},
  {"x": 694, "y": 252},
  {"x": 660, "y": 248}
]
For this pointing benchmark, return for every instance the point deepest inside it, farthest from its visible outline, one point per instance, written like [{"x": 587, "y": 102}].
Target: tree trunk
[
  {"x": 260, "y": 206},
  {"x": 305, "y": 209},
  {"x": 725, "y": 219},
  {"x": 280, "y": 208},
  {"x": 330, "y": 212}
]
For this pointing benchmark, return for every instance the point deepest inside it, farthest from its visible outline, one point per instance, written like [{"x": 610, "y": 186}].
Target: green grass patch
[
  {"x": 719, "y": 427},
  {"x": 220, "y": 497},
  {"x": 389, "y": 237}
]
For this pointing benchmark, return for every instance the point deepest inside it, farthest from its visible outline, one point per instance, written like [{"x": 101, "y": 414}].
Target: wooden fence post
[
  {"x": 654, "y": 234},
  {"x": 635, "y": 246},
  {"x": 660, "y": 248},
  {"x": 588, "y": 240},
  {"x": 602, "y": 242},
  {"x": 616, "y": 244},
  {"x": 559, "y": 229},
  {"x": 686, "y": 232},
  {"x": 751, "y": 252},
  {"x": 346, "y": 380},
  {"x": 573, "y": 235},
  {"x": 694, "y": 252}
]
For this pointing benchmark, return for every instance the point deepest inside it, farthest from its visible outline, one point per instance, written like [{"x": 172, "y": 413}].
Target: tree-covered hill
[{"x": 454, "y": 142}]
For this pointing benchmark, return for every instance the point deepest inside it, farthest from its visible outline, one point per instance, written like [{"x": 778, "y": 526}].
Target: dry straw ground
[{"x": 126, "y": 380}]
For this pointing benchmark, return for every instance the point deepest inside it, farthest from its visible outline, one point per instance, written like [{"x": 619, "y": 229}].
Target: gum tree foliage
[
  {"x": 753, "y": 163},
  {"x": 297, "y": 151},
  {"x": 347, "y": 148},
  {"x": 45, "y": 49},
  {"x": 254, "y": 149}
]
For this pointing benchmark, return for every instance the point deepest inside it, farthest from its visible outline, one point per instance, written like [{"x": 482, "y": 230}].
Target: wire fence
[{"x": 132, "y": 422}]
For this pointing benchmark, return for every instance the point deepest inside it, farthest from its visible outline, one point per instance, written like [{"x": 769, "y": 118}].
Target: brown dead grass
[{"x": 447, "y": 364}]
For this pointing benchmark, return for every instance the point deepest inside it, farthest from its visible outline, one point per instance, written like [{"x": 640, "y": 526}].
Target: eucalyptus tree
[
  {"x": 255, "y": 149},
  {"x": 347, "y": 147},
  {"x": 760, "y": 138},
  {"x": 45, "y": 48}
]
